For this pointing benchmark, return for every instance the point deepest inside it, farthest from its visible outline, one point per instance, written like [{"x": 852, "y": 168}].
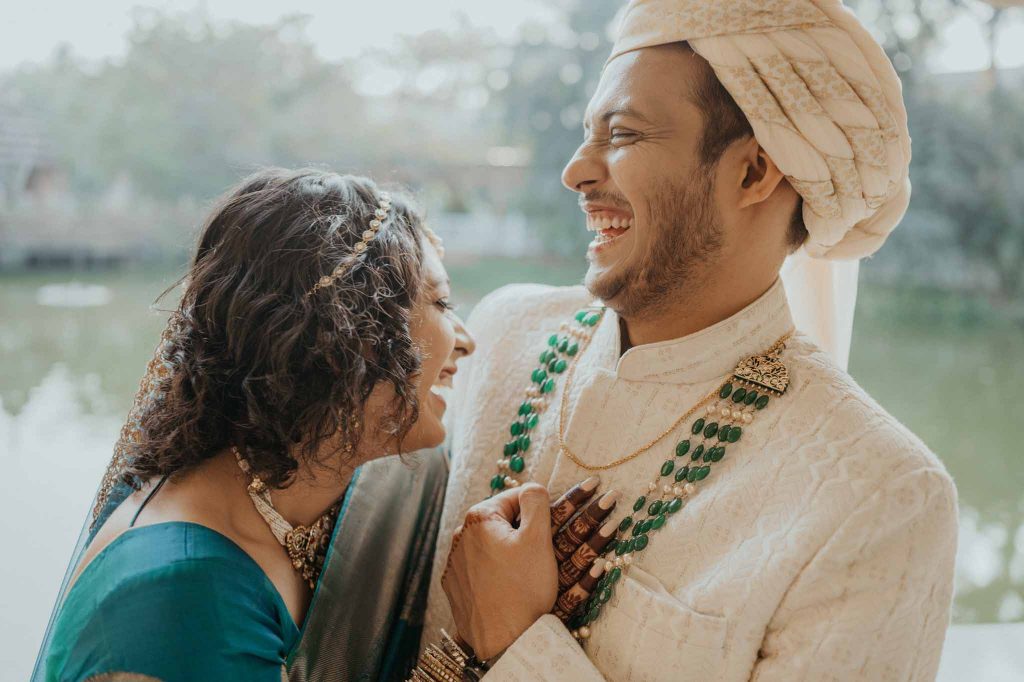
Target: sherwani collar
[{"x": 701, "y": 356}]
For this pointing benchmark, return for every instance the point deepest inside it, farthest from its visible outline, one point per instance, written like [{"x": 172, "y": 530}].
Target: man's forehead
[{"x": 648, "y": 84}]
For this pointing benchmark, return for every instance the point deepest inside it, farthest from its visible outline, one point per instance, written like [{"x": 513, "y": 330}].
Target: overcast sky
[{"x": 31, "y": 29}]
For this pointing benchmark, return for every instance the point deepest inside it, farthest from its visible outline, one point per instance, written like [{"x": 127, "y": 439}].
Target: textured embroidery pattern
[
  {"x": 158, "y": 369},
  {"x": 832, "y": 529},
  {"x": 703, "y": 19}
]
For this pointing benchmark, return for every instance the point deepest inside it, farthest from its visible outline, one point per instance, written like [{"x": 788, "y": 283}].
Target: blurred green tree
[
  {"x": 971, "y": 168},
  {"x": 553, "y": 73},
  {"x": 192, "y": 105}
]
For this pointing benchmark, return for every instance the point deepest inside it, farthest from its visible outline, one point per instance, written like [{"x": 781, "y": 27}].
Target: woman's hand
[
  {"x": 502, "y": 572},
  {"x": 579, "y": 543},
  {"x": 501, "y": 578}
]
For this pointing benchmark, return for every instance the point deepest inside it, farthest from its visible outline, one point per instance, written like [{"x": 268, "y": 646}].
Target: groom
[{"x": 777, "y": 524}]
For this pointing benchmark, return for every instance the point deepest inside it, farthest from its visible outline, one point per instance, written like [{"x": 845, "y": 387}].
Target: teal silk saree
[{"x": 365, "y": 618}]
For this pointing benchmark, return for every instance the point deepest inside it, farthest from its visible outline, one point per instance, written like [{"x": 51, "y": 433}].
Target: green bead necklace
[
  {"x": 560, "y": 350},
  {"x": 730, "y": 409}
]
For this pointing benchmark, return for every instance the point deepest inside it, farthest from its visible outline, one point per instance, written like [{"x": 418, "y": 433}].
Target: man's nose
[{"x": 583, "y": 171}]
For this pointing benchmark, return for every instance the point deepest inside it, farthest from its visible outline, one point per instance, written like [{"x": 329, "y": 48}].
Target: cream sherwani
[{"x": 820, "y": 548}]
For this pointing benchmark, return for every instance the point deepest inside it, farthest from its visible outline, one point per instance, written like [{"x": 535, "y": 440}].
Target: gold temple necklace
[{"x": 306, "y": 545}]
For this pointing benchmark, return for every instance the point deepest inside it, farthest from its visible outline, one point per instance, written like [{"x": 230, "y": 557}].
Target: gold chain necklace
[{"x": 563, "y": 446}]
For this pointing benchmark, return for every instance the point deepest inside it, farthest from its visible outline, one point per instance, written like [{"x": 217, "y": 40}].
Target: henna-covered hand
[
  {"x": 580, "y": 561},
  {"x": 582, "y": 526},
  {"x": 579, "y": 542},
  {"x": 571, "y": 501},
  {"x": 572, "y": 599}
]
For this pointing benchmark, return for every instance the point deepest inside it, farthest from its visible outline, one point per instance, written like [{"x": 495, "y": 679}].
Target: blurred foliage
[
  {"x": 554, "y": 76},
  {"x": 194, "y": 104},
  {"x": 190, "y": 104},
  {"x": 969, "y": 167},
  {"x": 968, "y": 155}
]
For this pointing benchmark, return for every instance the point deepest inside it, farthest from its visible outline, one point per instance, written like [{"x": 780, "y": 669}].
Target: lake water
[{"x": 72, "y": 350}]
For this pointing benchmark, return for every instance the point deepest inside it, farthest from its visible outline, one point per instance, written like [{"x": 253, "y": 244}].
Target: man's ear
[{"x": 759, "y": 176}]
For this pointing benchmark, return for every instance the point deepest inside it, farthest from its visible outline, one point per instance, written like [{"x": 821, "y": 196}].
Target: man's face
[{"x": 647, "y": 198}]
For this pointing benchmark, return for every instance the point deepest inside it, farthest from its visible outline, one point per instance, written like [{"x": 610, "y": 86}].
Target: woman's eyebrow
[{"x": 437, "y": 283}]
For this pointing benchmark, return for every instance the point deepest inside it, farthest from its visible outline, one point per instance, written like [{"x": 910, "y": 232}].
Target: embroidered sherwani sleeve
[
  {"x": 546, "y": 651},
  {"x": 874, "y": 602}
]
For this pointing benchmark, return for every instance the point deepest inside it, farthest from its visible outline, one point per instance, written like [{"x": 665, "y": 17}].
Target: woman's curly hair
[{"x": 259, "y": 364}]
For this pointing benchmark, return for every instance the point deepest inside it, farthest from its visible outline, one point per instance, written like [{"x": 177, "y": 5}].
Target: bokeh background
[{"x": 119, "y": 124}]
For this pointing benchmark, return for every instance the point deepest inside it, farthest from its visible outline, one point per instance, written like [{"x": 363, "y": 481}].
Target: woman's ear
[{"x": 759, "y": 176}]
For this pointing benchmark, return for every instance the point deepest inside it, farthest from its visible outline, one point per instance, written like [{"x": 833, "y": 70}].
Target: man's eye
[{"x": 620, "y": 135}]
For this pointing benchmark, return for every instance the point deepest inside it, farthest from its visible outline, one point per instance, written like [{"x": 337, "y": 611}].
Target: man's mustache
[{"x": 603, "y": 198}]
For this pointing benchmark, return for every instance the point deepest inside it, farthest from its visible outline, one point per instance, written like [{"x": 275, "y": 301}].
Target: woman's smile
[{"x": 442, "y": 385}]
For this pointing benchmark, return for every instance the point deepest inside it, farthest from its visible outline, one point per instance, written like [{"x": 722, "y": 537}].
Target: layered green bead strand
[
  {"x": 553, "y": 361},
  {"x": 691, "y": 463}
]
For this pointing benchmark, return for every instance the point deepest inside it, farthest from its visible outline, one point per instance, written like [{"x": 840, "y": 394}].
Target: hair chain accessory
[{"x": 379, "y": 216}]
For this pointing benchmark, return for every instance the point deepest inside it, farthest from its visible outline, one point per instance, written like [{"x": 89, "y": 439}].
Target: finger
[
  {"x": 456, "y": 539},
  {"x": 589, "y": 581},
  {"x": 505, "y": 505},
  {"x": 579, "y": 529},
  {"x": 574, "y": 498},
  {"x": 571, "y": 600},
  {"x": 535, "y": 512},
  {"x": 571, "y": 570}
]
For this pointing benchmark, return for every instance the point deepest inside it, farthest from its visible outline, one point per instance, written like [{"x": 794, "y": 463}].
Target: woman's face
[{"x": 442, "y": 340}]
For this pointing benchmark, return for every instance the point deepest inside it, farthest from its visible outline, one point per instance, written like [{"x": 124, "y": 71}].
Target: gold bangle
[{"x": 447, "y": 662}]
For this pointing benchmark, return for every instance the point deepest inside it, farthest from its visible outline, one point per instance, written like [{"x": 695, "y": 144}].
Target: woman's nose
[{"x": 465, "y": 344}]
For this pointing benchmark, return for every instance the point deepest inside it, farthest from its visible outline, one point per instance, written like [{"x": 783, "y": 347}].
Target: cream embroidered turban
[
  {"x": 821, "y": 96},
  {"x": 826, "y": 105}
]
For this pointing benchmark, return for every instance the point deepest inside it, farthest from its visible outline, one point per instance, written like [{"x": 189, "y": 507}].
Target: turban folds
[{"x": 826, "y": 105}]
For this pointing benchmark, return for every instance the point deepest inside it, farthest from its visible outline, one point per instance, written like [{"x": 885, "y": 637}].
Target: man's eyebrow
[{"x": 619, "y": 111}]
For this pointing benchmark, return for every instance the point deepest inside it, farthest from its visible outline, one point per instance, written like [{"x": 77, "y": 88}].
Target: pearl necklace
[{"x": 306, "y": 545}]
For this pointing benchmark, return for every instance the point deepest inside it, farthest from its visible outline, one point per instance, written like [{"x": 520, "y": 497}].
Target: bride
[{"x": 249, "y": 526}]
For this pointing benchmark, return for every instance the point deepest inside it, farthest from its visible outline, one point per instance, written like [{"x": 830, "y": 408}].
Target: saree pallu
[{"x": 366, "y": 615}]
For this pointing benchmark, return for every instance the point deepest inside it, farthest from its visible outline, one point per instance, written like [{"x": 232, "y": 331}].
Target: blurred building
[
  {"x": 43, "y": 223},
  {"x": 472, "y": 203},
  {"x": 29, "y": 170}
]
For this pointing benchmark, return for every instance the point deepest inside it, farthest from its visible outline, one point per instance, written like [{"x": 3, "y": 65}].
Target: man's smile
[{"x": 608, "y": 223}]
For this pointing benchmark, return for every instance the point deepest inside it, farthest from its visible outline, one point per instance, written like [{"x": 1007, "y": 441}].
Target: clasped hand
[{"x": 517, "y": 557}]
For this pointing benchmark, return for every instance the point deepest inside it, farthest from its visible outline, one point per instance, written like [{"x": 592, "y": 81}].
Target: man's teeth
[{"x": 599, "y": 223}]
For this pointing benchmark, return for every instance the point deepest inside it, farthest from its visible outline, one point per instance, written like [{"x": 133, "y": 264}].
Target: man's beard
[{"x": 686, "y": 241}]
